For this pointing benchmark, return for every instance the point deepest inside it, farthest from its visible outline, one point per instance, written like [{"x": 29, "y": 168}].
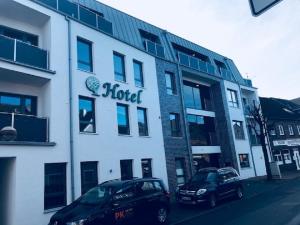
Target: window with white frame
[
  {"x": 287, "y": 157},
  {"x": 281, "y": 130},
  {"x": 273, "y": 131},
  {"x": 291, "y": 129},
  {"x": 298, "y": 129},
  {"x": 278, "y": 158},
  {"x": 232, "y": 98}
]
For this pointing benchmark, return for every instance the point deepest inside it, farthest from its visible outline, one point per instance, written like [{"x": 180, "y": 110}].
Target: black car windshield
[
  {"x": 204, "y": 177},
  {"x": 97, "y": 195}
]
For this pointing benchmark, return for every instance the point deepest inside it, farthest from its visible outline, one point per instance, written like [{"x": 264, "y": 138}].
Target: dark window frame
[
  {"x": 141, "y": 80},
  {"x": 238, "y": 135},
  {"x": 93, "y": 115},
  {"x": 64, "y": 182},
  {"x": 231, "y": 102},
  {"x": 143, "y": 131},
  {"x": 171, "y": 90},
  {"x": 34, "y": 102},
  {"x": 246, "y": 163},
  {"x": 127, "y": 119},
  {"x": 130, "y": 161},
  {"x": 88, "y": 64},
  {"x": 116, "y": 73},
  {"x": 83, "y": 168},
  {"x": 149, "y": 163},
  {"x": 175, "y": 130}
]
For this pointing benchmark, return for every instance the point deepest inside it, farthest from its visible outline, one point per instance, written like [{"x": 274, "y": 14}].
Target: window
[
  {"x": 278, "y": 158},
  {"x": 180, "y": 172},
  {"x": 147, "y": 168},
  {"x": 232, "y": 98},
  {"x": 138, "y": 73},
  {"x": 145, "y": 187},
  {"x": 298, "y": 129},
  {"x": 126, "y": 169},
  {"x": 175, "y": 125},
  {"x": 170, "y": 83},
  {"x": 89, "y": 176},
  {"x": 272, "y": 132},
  {"x": 123, "y": 119},
  {"x": 202, "y": 130},
  {"x": 55, "y": 192},
  {"x": 21, "y": 104},
  {"x": 192, "y": 96},
  {"x": 119, "y": 67},
  {"x": 287, "y": 157},
  {"x": 238, "y": 130},
  {"x": 244, "y": 160},
  {"x": 19, "y": 35},
  {"x": 291, "y": 130},
  {"x": 281, "y": 130},
  {"x": 142, "y": 121},
  {"x": 84, "y": 55},
  {"x": 87, "y": 115}
]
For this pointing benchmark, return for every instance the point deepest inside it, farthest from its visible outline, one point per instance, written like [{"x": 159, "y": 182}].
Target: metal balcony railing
[
  {"x": 155, "y": 49},
  {"x": 24, "y": 53},
  {"x": 29, "y": 128},
  {"x": 80, "y": 13},
  {"x": 195, "y": 63}
]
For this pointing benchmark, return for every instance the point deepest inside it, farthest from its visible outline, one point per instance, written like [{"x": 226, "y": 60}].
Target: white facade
[{"x": 23, "y": 165}]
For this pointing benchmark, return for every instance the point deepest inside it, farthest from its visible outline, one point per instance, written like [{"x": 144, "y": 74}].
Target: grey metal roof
[{"x": 126, "y": 28}]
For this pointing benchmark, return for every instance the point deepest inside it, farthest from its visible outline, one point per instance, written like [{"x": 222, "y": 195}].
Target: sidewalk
[{"x": 252, "y": 188}]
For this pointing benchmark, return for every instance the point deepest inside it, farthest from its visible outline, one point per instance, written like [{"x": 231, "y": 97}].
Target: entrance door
[
  {"x": 297, "y": 158},
  {"x": 7, "y": 176}
]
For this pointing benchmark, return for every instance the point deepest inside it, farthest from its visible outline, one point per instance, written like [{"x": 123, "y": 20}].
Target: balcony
[
  {"x": 196, "y": 63},
  {"x": 22, "y": 53},
  {"x": 226, "y": 74},
  {"x": 29, "y": 129},
  {"x": 211, "y": 140},
  {"x": 248, "y": 82},
  {"x": 80, "y": 13},
  {"x": 155, "y": 49}
]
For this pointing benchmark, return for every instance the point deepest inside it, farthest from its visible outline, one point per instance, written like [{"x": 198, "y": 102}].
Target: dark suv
[
  {"x": 210, "y": 185},
  {"x": 118, "y": 202}
]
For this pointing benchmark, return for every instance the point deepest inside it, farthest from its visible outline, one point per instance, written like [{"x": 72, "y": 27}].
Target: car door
[
  {"x": 223, "y": 184},
  {"x": 124, "y": 205}
]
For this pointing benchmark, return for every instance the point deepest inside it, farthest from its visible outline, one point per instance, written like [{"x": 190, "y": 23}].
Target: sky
[{"x": 265, "y": 49}]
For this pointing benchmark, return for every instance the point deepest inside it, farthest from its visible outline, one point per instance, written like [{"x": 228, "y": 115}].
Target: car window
[
  {"x": 145, "y": 187},
  {"x": 158, "y": 186}
]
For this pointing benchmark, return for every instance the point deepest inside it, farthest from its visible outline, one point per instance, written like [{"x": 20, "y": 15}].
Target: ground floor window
[
  {"x": 126, "y": 169},
  {"x": 180, "y": 171},
  {"x": 147, "y": 168},
  {"x": 244, "y": 160},
  {"x": 278, "y": 158},
  {"x": 287, "y": 156},
  {"x": 89, "y": 175},
  {"x": 55, "y": 193}
]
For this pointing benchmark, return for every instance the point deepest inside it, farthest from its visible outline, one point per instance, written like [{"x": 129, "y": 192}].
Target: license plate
[{"x": 186, "y": 198}]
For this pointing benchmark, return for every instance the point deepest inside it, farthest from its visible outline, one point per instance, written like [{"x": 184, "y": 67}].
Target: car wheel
[
  {"x": 239, "y": 193},
  {"x": 212, "y": 201},
  {"x": 161, "y": 215}
]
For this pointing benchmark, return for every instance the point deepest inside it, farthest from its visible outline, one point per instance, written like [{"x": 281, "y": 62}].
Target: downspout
[
  {"x": 71, "y": 111},
  {"x": 165, "y": 33},
  {"x": 254, "y": 167}
]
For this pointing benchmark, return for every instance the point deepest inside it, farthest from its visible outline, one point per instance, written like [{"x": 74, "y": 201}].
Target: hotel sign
[
  {"x": 112, "y": 91},
  {"x": 288, "y": 142}
]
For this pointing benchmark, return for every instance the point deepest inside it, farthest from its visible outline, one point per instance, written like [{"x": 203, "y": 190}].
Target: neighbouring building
[
  {"x": 283, "y": 126},
  {"x": 89, "y": 94}
]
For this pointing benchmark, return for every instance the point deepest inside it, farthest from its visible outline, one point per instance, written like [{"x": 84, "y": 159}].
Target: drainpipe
[
  {"x": 165, "y": 33},
  {"x": 254, "y": 167},
  {"x": 72, "y": 161}
]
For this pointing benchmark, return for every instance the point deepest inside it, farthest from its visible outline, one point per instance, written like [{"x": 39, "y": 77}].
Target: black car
[
  {"x": 118, "y": 202},
  {"x": 210, "y": 185}
]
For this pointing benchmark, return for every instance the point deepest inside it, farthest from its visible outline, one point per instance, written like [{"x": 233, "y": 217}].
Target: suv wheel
[
  {"x": 212, "y": 201},
  {"x": 161, "y": 215},
  {"x": 239, "y": 193}
]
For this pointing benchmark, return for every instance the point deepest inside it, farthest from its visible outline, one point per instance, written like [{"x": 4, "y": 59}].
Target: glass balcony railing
[
  {"x": 155, "y": 49},
  {"x": 20, "y": 52},
  {"x": 28, "y": 128},
  {"x": 195, "y": 63},
  {"x": 80, "y": 13},
  {"x": 248, "y": 82},
  {"x": 210, "y": 140},
  {"x": 226, "y": 74}
]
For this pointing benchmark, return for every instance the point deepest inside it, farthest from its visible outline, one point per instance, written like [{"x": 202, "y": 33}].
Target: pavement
[{"x": 275, "y": 202}]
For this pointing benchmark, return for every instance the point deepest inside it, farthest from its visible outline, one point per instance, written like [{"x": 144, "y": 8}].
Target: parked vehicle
[
  {"x": 118, "y": 202},
  {"x": 209, "y": 186}
]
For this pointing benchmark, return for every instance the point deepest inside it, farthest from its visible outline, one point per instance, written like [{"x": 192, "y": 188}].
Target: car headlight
[
  {"x": 79, "y": 222},
  {"x": 201, "y": 191}
]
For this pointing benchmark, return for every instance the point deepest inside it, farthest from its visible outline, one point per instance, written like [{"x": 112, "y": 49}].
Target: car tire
[
  {"x": 161, "y": 216},
  {"x": 239, "y": 193},
  {"x": 212, "y": 201}
]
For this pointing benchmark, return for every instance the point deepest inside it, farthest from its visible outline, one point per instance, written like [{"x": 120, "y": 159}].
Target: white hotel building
[{"x": 89, "y": 94}]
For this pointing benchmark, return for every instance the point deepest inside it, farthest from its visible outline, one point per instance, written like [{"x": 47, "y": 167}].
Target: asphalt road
[{"x": 278, "y": 206}]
